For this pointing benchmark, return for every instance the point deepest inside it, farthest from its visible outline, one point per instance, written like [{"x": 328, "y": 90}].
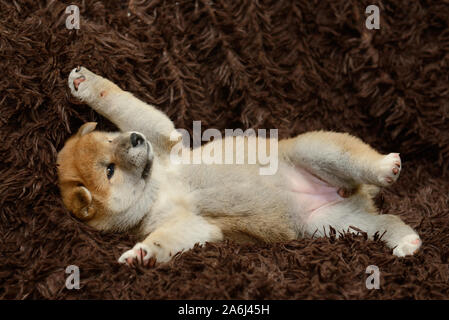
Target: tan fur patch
[
  {"x": 253, "y": 229},
  {"x": 78, "y": 165}
]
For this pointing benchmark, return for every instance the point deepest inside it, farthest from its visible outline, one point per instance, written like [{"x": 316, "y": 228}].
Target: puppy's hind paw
[
  {"x": 408, "y": 245},
  {"x": 389, "y": 168}
]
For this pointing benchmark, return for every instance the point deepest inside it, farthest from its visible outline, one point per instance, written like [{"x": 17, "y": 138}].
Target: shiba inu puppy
[{"x": 125, "y": 181}]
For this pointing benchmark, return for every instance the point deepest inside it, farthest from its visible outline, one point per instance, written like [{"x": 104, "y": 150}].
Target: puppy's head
[{"x": 102, "y": 176}]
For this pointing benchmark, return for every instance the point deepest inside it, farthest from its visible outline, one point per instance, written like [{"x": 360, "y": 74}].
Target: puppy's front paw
[
  {"x": 388, "y": 169},
  {"x": 140, "y": 254},
  {"x": 84, "y": 84},
  {"x": 408, "y": 245}
]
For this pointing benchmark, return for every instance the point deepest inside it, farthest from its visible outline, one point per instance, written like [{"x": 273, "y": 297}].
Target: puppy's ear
[
  {"x": 80, "y": 203},
  {"x": 86, "y": 128}
]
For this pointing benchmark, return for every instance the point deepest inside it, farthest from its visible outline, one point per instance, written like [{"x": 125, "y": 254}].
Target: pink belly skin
[{"x": 310, "y": 193}]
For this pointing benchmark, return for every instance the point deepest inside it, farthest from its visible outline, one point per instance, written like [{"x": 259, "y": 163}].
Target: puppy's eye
[{"x": 110, "y": 170}]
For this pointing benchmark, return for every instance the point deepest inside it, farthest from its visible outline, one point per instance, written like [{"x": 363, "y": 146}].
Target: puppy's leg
[
  {"x": 341, "y": 159},
  {"x": 398, "y": 235},
  {"x": 177, "y": 234},
  {"x": 122, "y": 108}
]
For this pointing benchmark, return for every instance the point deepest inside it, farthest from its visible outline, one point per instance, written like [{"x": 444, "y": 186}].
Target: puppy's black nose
[{"x": 136, "y": 139}]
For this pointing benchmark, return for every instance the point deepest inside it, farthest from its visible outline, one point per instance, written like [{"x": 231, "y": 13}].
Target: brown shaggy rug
[{"x": 292, "y": 65}]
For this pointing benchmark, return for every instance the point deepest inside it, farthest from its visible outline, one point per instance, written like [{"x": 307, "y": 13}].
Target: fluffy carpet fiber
[{"x": 292, "y": 65}]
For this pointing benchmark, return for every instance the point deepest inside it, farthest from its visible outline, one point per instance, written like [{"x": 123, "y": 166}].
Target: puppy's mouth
[
  {"x": 148, "y": 164},
  {"x": 147, "y": 169}
]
